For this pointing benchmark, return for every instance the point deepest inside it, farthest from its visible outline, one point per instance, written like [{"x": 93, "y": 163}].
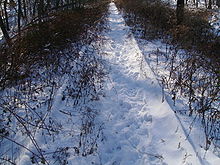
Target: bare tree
[
  {"x": 19, "y": 16},
  {"x": 180, "y": 11},
  {"x": 4, "y": 30},
  {"x": 210, "y": 4},
  {"x": 218, "y": 3},
  {"x": 6, "y": 15}
]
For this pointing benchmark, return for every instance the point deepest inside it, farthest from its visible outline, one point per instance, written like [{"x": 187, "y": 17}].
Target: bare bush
[
  {"x": 192, "y": 74},
  {"x": 32, "y": 79}
]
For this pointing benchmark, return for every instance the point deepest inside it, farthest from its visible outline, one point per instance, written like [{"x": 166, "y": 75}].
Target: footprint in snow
[
  {"x": 132, "y": 92},
  {"x": 118, "y": 148},
  {"x": 135, "y": 75},
  {"x": 113, "y": 46},
  {"x": 148, "y": 118},
  {"x": 143, "y": 131},
  {"x": 134, "y": 141},
  {"x": 125, "y": 105},
  {"x": 116, "y": 163}
]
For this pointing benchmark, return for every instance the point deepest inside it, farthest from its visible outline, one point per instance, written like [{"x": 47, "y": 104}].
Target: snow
[
  {"x": 138, "y": 125},
  {"x": 1, "y": 35},
  {"x": 215, "y": 22},
  {"x": 191, "y": 127}
]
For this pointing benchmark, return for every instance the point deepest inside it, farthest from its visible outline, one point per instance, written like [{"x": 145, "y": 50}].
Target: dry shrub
[
  {"x": 194, "y": 74},
  {"x": 41, "y": 38},
  {"x": 158, "y": 20},
  {"x": 35, "y": 67}
]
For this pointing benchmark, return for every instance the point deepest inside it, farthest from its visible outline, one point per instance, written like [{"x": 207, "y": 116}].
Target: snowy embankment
[{"x": 140, "y": 126}]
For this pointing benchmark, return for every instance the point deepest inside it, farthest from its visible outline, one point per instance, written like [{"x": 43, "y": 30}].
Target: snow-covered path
[{"x": 139, "y": 128}]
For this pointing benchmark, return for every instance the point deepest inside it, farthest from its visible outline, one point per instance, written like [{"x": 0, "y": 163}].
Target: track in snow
[{"x": 139, "y": 128}]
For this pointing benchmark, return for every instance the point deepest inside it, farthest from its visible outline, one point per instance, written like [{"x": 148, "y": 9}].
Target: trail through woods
[{"x": 140, "y": 128}]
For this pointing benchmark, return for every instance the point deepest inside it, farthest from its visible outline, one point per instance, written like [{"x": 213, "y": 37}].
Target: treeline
[
  {"x": 209, "y": 4},
  {"x": 39, "y": 24},
  {"x": 15, "y": 14}
]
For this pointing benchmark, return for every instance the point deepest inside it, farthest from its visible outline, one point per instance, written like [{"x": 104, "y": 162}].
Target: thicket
[
  {"x": 17, "y": 14},
  {"x": 54, "y": 32},
  {"x": 193, "y": 74},
  {"x": 58, "y": 52}
]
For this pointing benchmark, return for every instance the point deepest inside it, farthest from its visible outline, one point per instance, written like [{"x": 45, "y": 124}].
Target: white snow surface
[
  {"x": 1, "y": 35},
  {"x": 139, "y": 128}
]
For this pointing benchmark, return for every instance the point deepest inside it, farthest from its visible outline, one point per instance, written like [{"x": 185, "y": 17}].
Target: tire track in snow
[{"x": 139, "y": 128}]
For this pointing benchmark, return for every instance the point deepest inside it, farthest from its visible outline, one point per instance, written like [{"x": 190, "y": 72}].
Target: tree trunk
[
  {"x": 25, "y": 9},
  {"x": 218, "y": 3},
  {"x": 19, "y": 16},
  {"x": 6, "y": 15},
  {"x": 4, "y": 31},
  {"x": 210, "y": 4},
  {"x": 197, "y": 3},
  {"x": 48, "y": 5},
  {"x": 57, "y": 3},
  {"x": 180, "y": 11},
  {"x": 40, "y": 9},
  {"x": 206, "y": 3}
]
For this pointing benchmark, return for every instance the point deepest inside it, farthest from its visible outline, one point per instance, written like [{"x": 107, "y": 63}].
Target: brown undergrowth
[
  {"x": 192, "y": 58},
  {"x": 38, "y": 40},
  {"x": 159, "y": 21}
]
